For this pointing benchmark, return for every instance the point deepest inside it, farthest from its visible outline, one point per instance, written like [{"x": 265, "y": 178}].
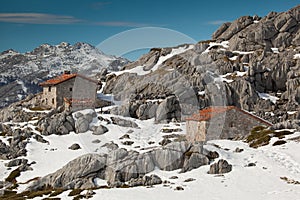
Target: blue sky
[{"x": 25, "y": 24}]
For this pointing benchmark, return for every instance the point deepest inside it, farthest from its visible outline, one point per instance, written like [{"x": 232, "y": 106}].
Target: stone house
[
  {"x": 75, "y": 91},
  {"x": 221, "y": 122}
]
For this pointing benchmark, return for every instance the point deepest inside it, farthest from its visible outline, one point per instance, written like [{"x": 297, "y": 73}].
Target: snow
[
  {"x": 261, "y": 182},
  {"x": 255, "y": 21},
  {"x": 297, "y": 56},
  {"x": 233, "y": 58},
  {"x": 201, "y": 92},
  {"x": 139, "y": 70},
  {"x": 243, "y": 52},
  {"x": 275, "y": 50},
  {"x": 266, "y": 96},
  {"x": 22, "y": 85},
  {"x": 291, "y": 112},
  {"x": 224, "y": 44}
]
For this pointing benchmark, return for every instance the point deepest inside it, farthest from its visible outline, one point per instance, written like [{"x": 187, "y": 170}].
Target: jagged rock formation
[
  {"x": 258, "y": 59},
  {"x": 120, "y": 166},
  {"x": 20, "y": 73}
]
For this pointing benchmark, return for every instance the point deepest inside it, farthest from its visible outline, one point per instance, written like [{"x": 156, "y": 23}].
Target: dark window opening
[
  {"x": 71, "y": 89},
  {"x": 52, "y": 100},
  {"x": 49, "y": 89}
]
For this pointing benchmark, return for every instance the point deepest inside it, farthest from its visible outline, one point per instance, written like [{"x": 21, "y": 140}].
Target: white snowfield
[{"x": 261, "y": 182}]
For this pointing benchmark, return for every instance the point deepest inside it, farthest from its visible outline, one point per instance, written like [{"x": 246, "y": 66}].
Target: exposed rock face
[
  {"x": 260, "y": 55},
  {"x": 100, "y": 130},
  {"x": 221, "y": 167},
  {"x": 169, "y": 109},
  {"x": 120, "y": 166},
  {"x": 59, "y": 124},
  {"x": 75, "y": 174},
  {"x": 123, "y": 122}
]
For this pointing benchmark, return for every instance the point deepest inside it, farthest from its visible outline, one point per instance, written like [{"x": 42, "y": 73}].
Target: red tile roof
[
  {"x": 63, "y": 78},
  {"x": 207, "y": 113}
]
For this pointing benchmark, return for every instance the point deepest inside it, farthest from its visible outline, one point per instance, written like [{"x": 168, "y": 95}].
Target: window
[
  {"x": 52, "y": 100},
  {"x": 49, "y": 89},
  {"x": 71, "y": 89}
]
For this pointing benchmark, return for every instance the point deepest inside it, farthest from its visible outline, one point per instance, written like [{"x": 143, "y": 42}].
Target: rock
[
  {"x": 100, "y": 130},
  {"x": 57, "y": 123},
  {"x": 78, "y": 173},
  {"x": 74, "y": 146},
  {"x": 127, "y": 143},
  {"x": 146, "y": 111},
  {"x": 167, "y": 110},
  {"x": 251, "y": 165},
  {"x": 179, "y": 188},
  {"x": 211, "y": 155},
  {"x": 82, "y": 125},
  {"x": 194, "y": 161},
  {"x": 173, "y": 177},
  {"x": 125, "y": 136},
  {"x": 189, "y": 180},
  {"x": 123, "y": 122},
  {"x": 16, "y": 162},
  {"x": 145, "y": 181},
  {"x": 96, "y": 141},
  {"x": 164, "y": 142},
  {"x": 238, "y": 150},
  {"x": 40, "y": 139},
  {"x": 220, "y": 167},
  {"x": 170, "y": 157}
]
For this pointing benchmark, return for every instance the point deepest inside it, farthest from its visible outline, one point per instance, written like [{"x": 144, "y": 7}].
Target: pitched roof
[
  {"x": 62, "y": 78},
  {"x": 207, "y": 113}
]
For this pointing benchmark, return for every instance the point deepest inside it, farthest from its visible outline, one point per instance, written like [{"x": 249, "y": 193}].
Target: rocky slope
[
  {"x": 252, "y": 63},
  {"x": 21, "y": 72}
]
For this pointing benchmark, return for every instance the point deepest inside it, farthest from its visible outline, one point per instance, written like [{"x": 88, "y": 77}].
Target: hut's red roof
[
  {"x": 207, "y": 113},
  {"x": 58, "y": 79},
  {"x": 62, "y": 78}
]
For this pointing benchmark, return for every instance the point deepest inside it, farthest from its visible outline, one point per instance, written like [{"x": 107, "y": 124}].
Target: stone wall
[
  {"x": 234, "y": 124},
  {"x": 64, "y": 89},
  {"x": 49, "y": 96},
  {"x": 82, "y": 92},
  {"x": 195, "y": 130}
]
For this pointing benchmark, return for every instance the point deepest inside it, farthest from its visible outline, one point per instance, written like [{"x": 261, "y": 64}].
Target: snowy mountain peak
[{"x": 47, "y": 61}]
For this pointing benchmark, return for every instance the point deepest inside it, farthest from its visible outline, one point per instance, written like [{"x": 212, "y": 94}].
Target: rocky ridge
[{"x": 252, "y": 63}]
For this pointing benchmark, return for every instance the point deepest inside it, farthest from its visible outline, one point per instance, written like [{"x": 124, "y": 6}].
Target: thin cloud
[
  {"x": 120, "y": 24},
  {"x": 100, "y": 5},
  {"x": 38, "y": 18},
  {"x": 43, "y": 18},
  {"x": 217, "y": 22}
]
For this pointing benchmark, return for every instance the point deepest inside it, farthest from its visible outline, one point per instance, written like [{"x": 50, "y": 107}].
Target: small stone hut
[
  {"x": 75, "y": 91},
  {"x": 221, "y": 122}
]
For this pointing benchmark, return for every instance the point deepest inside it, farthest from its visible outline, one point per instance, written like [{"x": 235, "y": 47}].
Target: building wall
[
  {"x": 195, "y": 130},
  {"x": 49, "y": 96},
  {"x": 84, "y": 94},
  {"x": 238, "y": 124},
  {"x": 80, "y": 90},
  {"x": 233, "y": 124},
  {"x": 64, "y": 90}
]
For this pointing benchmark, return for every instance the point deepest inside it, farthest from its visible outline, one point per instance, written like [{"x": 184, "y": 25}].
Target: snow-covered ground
[{"x": 262, "y": 181}]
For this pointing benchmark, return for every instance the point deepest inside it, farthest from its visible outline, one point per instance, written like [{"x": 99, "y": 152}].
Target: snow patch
[
  {"x": 275, "y": 50},
  {"x": 266, "y": 96},
  {"x": 297, "y": 56},
  {"x": 224, "y": 44}
]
